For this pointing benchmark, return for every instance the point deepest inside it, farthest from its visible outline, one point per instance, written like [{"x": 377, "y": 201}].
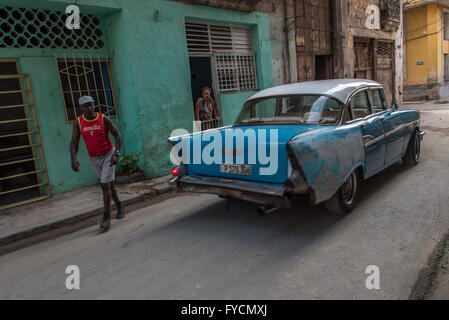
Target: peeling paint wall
[
  {"x": 351, "y": 22},
  {"x": 276, "y": 12}
]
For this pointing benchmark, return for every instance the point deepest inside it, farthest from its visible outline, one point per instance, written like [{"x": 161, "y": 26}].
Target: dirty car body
[{"x": 328, "y": 135}]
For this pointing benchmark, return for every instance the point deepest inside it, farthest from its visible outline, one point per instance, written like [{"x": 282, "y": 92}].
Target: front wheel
[
  {"x": 413, "y": 153},
  {"x": 345, "y": 199}
]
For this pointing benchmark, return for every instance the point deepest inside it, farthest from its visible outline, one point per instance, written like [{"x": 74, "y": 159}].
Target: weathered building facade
[
  {"x": 333, "y": 40},
  {"x": 141, "y": 60}
]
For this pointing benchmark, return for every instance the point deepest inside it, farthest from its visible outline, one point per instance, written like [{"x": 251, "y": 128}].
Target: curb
[
  {"x": 75, "y": 219},
  {"x": 424, "y": 285}
]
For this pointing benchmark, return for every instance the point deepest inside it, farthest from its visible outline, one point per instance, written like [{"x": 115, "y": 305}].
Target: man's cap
[{"x": 85, "y": 99}]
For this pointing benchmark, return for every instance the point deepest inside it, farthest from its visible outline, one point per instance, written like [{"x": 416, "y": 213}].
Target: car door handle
[
  {"x": 364, "y": 125},
  {"x": 383, "y": 119}
]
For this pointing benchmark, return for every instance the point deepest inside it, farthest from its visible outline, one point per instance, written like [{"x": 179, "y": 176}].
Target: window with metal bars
[
  {"x": 86, "y": 76},
  {"x": 231, "y": 48},
  {"x": 235, "y": 71}
]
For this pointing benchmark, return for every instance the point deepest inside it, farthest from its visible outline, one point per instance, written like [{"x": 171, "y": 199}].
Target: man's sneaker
[
  {"x": 120, "y": 213},
  {"x": 105, "y": 224}
]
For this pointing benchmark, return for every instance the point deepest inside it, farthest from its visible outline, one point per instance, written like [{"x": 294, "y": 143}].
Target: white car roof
[{"x": 340, "y": 89}]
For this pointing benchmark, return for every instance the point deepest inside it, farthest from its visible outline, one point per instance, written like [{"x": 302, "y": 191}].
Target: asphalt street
[{"x": 190, "y": 247}]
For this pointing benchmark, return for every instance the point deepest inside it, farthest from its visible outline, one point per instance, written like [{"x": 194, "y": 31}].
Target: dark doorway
[
  {"x": 200, "y": 71},
  {"x": 201, "y": 74},
  {"x": 20, "y": 175},
  {"x": 323, "y": 67},
  {"x": 314, "y": 35}
]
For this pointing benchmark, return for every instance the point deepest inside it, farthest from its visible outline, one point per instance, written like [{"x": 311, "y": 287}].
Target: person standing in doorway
[
  {"x": 206, "y": 111},
  {"x": 94, "y": 127}
]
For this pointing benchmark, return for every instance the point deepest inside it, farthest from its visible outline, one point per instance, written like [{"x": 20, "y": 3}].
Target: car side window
[
  {"x": 347, "y": 116},
  {"x": 360, "y": 105},
  {"x": 384, "y": 99},
  {"x": 380, "y": 103}
]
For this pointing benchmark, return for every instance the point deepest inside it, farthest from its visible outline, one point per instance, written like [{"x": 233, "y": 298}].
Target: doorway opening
[
  {"x": 323, "y": 67},
  {"x": 23, "y": 176},
  {"x": 201, "y": 76}
]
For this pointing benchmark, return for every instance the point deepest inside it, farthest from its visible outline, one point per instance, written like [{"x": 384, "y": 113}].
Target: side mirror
[{"x": 395, "y": 106}]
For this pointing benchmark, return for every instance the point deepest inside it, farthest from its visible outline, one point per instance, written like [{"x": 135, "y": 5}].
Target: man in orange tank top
[{"x": 94, "y": 127}]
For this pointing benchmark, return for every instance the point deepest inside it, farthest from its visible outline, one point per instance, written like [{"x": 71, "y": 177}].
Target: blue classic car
[{"x": 316, "y": 138}]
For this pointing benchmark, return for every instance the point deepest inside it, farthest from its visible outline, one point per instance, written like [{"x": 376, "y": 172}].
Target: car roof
[{"x": 340, "y": 89}]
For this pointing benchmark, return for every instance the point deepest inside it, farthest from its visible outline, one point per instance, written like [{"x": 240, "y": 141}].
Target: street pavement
[{"x": 188, "y": 246}]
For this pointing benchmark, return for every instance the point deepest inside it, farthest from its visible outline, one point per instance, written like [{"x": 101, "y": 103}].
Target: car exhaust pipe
[{"x": 266, "y": 210}]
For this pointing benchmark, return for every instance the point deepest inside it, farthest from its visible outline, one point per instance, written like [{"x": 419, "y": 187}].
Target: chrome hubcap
[
  {"x": 349, "y": 189},
  {"x": 417, "y": 147}
]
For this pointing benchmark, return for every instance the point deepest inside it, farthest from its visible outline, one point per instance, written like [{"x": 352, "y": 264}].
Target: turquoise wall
[
  {"x": 160, "y": 62},
  {"x": 55, "y": 132},
  {"x": 125, "y": 88},
  {"x": 146, "y": 42},
  {"x": 233, "y": 105}
]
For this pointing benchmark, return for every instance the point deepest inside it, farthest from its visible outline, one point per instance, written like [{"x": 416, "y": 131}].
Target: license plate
[{"x": 239, "y": 169}]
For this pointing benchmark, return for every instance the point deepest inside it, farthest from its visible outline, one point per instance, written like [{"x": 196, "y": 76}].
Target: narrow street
[{"x": 190, "y": 247}]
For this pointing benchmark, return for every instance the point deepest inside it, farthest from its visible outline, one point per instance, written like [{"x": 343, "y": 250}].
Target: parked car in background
[{"x": 331, "y": 134}]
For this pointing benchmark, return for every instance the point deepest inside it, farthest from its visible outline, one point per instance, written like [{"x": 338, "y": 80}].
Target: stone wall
[{"x": 350, "y": 22}]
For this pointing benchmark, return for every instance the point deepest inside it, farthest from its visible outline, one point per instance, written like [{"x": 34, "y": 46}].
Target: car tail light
[{"x": 175, "y": 171}]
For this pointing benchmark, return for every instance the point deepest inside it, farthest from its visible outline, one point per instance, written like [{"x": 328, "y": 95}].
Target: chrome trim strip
[
  {"x": 389, "y": 133},
  {"x": 368, "y": 137},
  {"x": 374, "y": 141}
]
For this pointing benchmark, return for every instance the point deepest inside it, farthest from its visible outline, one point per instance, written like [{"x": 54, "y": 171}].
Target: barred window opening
[
  {"x": 236, "y": 71},
  {"x": 90, "y": 77},
  {"x": 231, "y": 48}
]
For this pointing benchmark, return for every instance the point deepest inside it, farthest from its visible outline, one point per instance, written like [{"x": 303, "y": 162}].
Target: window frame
[
  {"x": 370, "y": 108},
  {"x": 380, "y": 89},
  {"x": 241, "y": 57},
  {"x": 73, "y": 60},
  {"x": 279, "y": 107}
]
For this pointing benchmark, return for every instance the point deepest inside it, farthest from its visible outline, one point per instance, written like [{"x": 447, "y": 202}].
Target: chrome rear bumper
[
  {"x": 228, "y": 188},
  {"x": 422, "y": 134}
]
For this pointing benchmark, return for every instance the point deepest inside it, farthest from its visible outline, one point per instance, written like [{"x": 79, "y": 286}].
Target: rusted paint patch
[{"x": 327, "y": 157}]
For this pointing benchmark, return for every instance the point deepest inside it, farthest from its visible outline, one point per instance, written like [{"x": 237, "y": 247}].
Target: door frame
[
  {"x": 213, "y": 67},
  {"x": 33, "y": 133}
]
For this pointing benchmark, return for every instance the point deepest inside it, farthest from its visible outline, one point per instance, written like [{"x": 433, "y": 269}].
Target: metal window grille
[
  {"x": 34, "y": 28},
  {"x": 205, "y": 38},
  {"x": 23, "y": 172},
  {"x": 86, "y": 75},
  {"x": 384, "y": 48},
  {"x": 235, "y": 71},
  {"x": 234, "y": 63}
]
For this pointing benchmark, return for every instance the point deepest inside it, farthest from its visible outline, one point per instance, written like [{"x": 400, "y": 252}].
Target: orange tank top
[{"x": 95, "y": 135}]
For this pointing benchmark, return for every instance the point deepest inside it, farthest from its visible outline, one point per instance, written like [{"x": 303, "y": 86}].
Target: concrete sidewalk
[{"x": 64, "y": 209}]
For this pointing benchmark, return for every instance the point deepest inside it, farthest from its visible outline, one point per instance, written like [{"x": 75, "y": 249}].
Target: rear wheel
[
  {"x": 345, "y": 199},
  {"x": 413, "y": 153}
]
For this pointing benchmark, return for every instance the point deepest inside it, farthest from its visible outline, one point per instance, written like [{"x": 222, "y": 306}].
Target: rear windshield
[{"x": 303, "y": 109}]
